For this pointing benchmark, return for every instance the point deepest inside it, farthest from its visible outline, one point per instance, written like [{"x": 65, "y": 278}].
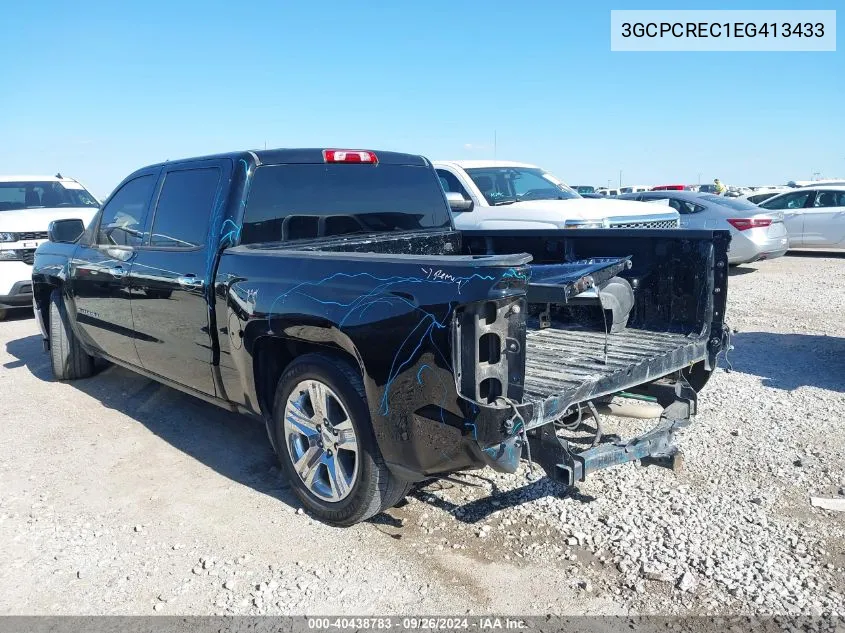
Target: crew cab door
[
  {"x": 824, "y": 219},
  {"x": 100, "y": 267},
  {"x": 792, "y": 205},
  {"x": 169, "y": 276}
]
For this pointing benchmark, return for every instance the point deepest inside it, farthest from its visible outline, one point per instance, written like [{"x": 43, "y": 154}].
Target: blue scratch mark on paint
[
  {"x": 508, "y": 451},
  {"x": 513, "y": 273},
  {"x": 232, "y": 236},
  {"x": 396, "y": 370},
  {"x": 445, "y": 391},
  {"x": 380, "y": 289},
  {"x": 381, "y": 293},
  {"x": 419, "y": 373},
  {"x": 229, "y": 232},
  {"x": 474, "y": 429}
]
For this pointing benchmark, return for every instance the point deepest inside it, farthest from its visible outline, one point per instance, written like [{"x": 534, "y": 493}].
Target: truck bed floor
[{"x": 567, "y": 364}]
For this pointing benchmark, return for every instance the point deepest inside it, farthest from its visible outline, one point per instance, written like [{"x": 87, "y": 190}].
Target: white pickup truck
[
  {"x": 27, "y": 206},
  {"x": 493, "y": 195}
]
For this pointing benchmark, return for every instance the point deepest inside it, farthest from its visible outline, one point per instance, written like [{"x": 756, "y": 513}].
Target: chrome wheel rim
[{"x": 321, "y": 441}]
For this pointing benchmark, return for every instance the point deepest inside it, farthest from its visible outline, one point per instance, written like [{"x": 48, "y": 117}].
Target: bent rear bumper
[{"x": 564, "y": 462}]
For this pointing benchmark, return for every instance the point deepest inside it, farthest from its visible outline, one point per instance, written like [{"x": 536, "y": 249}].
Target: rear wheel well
[{"x": 273, "y": 354}]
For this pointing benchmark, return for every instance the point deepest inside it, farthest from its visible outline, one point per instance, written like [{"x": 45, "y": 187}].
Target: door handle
[
  {"x": 190, "y": 281},
  {"x": 118, "y": 271}
]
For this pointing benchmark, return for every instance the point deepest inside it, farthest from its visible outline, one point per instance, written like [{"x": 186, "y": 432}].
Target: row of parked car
[
  {"x": 489, "y": 195},
  {"x": 806, "y": 217},
  {"x": 504, "y": 194}
]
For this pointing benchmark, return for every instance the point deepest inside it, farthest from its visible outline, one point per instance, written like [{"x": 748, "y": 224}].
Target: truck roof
[
  {"x": 303, "y": 155},
  {"x": 481, "y": 164}
]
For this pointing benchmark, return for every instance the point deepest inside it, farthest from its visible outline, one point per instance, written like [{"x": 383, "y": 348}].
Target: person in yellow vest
[{"x": 720, "y": 188}]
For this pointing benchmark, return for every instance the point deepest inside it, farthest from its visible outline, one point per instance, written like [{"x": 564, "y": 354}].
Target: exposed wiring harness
[
  {"x": 575, "y": 424},
  {"x": 518, "y": 427},
  {"x": 728, "y": 348},
  {"x": 596, "y": 415},
  {"x": 571, "y": 426}
]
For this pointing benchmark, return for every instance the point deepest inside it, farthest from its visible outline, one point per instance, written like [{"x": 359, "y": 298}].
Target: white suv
[
  {"x": 494, "y": 195},
  {"x": 27, "y": 206}
]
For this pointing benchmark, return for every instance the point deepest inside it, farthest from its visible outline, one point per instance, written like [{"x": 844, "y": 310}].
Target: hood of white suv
[
  {"x": 584, "y": 212},
  {"x": 587, "y": 209},
  {"x": 37, "y": 220}
]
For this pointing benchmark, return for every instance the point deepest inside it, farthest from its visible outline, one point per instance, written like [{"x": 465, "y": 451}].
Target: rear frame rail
[{"x": 565, "y": 465}]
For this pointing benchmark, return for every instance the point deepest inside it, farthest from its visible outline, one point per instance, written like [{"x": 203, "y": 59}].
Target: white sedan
[{"x": 814, "y": 216}]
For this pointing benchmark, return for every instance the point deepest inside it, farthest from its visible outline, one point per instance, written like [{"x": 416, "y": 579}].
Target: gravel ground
[{"x": 121, "y": 496}]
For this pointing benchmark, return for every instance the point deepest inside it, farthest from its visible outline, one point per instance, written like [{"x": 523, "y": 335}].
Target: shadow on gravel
[
  {"x": 838, "y": 254},
  {"x": 481, "y": 509},
  {"x": 736, "y": 271},
  {"x": 789, "y": 361},
  {"x": 233, "y": 445}
]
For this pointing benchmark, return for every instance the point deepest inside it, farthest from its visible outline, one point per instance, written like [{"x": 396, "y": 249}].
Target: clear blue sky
[{"x": 98, "y": 88}]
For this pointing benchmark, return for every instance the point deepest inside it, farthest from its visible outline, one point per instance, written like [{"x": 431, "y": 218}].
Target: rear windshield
[
  {"x": 733, "y": 203},
  {"x": 302, "y": 202},
  {"x": 40, "y": 195}
]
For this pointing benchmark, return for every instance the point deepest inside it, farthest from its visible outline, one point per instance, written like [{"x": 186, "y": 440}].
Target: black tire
[
  {"x": 69, "y": 360},
  {"x": 375, "y": 488}
]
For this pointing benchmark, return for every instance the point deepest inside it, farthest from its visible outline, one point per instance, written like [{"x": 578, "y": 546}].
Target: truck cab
[{"x": 510, "y": 195}]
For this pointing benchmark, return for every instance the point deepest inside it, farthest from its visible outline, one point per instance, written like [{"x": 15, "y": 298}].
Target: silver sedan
[{"x": 755, "y": 233}]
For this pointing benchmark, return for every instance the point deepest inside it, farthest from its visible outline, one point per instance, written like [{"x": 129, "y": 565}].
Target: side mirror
[
  {"x": 457, "y": 202},
  {"x": 65, "y": 230}
]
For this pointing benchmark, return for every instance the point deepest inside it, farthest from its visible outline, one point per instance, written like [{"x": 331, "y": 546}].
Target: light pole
[
  {"x": 699, "y": 179},
  {"x": 620, "y": 178}
]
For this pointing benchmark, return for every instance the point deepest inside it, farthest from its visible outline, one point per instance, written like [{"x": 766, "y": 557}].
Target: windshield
[
  {"x": 733, "y": 203},
  {"x": 506, "y": 185},
  {"x": 584, "y": 189},
  {"x": 38, "y": 195}
]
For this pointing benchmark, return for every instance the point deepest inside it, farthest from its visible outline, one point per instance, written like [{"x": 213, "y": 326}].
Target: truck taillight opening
[
  {"x": 349, "y": 156},
  {"x": 743, "y": 224}
]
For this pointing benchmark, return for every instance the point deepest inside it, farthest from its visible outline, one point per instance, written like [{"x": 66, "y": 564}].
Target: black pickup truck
[{"x": 327, "y": 293}]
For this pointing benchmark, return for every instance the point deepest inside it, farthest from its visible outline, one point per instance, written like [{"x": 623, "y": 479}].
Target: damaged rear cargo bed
[
  {"x": 575, "y": 365},
  {"x": 603, "y": 313}
]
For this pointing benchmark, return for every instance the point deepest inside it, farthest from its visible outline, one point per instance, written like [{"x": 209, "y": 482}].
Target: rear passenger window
[
  {"x": 795, "y": 200},
  {"x": 685, "y": 207},
  {"x": 184, "y": 208},
  {"x": 122, "y": 222},
  {"x": 829, "y": 199}
]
